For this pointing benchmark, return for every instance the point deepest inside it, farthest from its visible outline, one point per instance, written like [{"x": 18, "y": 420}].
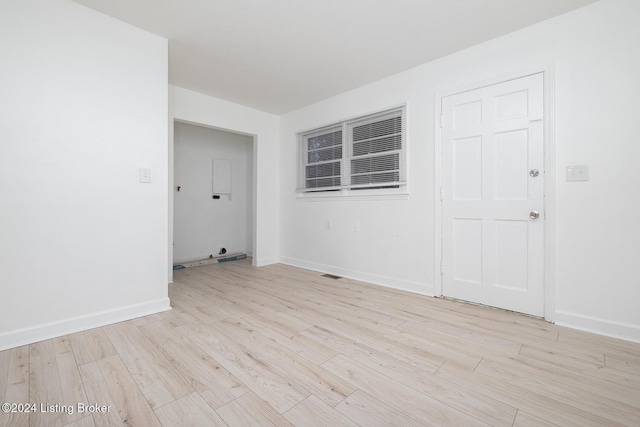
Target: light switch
[
  {"x": 577, "y": 173},
  {"x": 145, "y": 175}
]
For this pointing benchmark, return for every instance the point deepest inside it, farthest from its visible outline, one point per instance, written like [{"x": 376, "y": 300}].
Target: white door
[{"x": 492, "y": 195}]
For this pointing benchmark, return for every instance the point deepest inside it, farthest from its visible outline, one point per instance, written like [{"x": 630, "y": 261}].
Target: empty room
[{"x": 306, "y": 213}]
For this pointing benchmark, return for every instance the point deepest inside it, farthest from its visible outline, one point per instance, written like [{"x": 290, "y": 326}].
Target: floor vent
[{"x": 331, "y": 276}]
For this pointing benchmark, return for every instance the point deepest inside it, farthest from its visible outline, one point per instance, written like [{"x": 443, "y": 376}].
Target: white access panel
[
  {"x": 221, "y": 176},
  {"x": 492, "y": 198}
]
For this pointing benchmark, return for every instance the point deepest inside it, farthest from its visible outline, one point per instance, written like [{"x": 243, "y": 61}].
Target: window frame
[{"x": 346, "y": 189}]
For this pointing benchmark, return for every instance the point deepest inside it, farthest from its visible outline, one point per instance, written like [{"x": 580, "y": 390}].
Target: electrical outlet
[
  {"x": 328, "y": 225},
  {"x": 145, "y": 175},
  {"x": 356, "y": 227}
]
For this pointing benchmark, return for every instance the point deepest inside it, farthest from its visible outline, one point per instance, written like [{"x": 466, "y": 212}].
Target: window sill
[{"x": 362, "y": 195}]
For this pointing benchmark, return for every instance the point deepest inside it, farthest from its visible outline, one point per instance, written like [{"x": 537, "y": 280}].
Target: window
[{"x": 363, "y": 153}]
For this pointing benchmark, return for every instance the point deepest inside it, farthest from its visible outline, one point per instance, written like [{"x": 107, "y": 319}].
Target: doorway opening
[{"x": 213, "y": 193}]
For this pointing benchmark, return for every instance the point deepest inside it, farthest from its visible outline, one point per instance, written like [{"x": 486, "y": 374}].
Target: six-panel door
[{"x": 493, "y": 182}]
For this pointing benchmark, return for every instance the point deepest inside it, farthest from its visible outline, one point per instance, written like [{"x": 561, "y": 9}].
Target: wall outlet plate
[{"x": 145, "y": 175}]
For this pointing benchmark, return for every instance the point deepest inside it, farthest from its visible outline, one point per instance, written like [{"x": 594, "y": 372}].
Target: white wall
[
  {"x": 203, "y": 225},
  {"x": 196, "y": 108},
  {"x": 596, "y": 56},
  {"x": 83, "y": 105}
]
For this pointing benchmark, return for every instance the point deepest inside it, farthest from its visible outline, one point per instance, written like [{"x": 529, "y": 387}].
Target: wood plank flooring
[{"x": 282, "y": 346}]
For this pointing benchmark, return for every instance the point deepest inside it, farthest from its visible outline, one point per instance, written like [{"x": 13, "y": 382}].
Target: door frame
[{"x": 549, "y": 178}]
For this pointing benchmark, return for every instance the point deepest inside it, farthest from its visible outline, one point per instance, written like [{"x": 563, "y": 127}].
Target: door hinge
[
  {"x": 441, "y": 194},
  {"x": 441, "y": 120},
  {"x": 441, "y": 268}
]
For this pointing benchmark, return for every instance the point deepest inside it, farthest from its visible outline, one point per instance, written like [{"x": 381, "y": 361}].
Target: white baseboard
[
  {"x": 599, "y": 326},
  {"x": 264, "y": 261},
  {"x": 389, "y": 282},
  {"x": 58, "y": 328}
]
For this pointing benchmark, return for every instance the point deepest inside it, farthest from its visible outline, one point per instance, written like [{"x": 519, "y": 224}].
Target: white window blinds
[
  {"x": 323, "y": 152},
  {"x": 367, "y": 152}
]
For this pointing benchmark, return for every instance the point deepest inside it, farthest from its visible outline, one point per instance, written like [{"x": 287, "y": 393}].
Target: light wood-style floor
[{"x": 284, "y": 346}]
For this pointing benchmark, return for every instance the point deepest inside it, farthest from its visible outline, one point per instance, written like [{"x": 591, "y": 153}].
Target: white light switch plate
[
  {"x": 145, "y": 175},
  {"x": 577, "y": 173}
]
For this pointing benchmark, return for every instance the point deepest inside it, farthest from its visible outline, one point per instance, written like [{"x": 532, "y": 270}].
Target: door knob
[
  {"x": 534, "y": 214},
  {"x": 534, "y": 172}
]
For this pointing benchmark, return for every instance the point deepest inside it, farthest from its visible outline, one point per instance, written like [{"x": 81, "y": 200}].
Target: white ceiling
[{"x": 280, "y": 55}]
